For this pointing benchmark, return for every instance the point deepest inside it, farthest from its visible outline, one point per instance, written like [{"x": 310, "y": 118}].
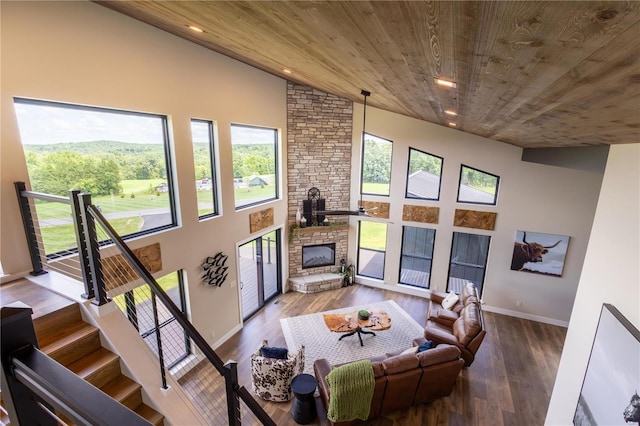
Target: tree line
[{"x": 99, "y": 167}]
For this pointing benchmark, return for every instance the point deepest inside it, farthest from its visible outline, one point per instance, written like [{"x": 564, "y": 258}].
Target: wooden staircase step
[
  {"x": 150, "y": 414},
  {"x": 51, "y": 323},
  {"x": 4, "y": 415},
  {"x": 78, "y": 340},
  {"x": 98, "y": 368},
  {"x": 125, "y": 391}
]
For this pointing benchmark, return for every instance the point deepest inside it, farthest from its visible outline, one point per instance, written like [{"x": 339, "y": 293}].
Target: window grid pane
[
  {"x": 120, "y": 157},
  {"x": 205, "y": 170},
  {"x": 469, "y": 253},
  {"x": 417, "y": 255},
  {"x": 477, "y": 187},
  {"x": 423, "y": 175},
  {"x": 255, "y": 164},
  {"x": 372, "y": 243},
  {"x": 376, "y": 165}
]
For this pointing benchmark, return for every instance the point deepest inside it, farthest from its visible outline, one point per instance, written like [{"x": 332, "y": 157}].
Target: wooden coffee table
[{"x": 350, "y": 324}]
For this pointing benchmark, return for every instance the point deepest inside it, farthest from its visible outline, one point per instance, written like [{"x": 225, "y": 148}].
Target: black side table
[{"x": 303, "y": 410}]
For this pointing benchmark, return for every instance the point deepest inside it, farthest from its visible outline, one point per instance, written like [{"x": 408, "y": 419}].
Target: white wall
[
  {"x": 532, "y": 197},
  {"x": 80, "y": 52},
  {"x": 611, "y": 275}
]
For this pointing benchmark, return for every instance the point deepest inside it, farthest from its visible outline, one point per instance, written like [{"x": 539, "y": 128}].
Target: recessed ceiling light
[
  {"x": 450, "y": 112},
  {"x": 445, "y": 83},
  {"x": 286, "y": 71},
  {"x": 196, "y": 29},
  {"x": 452, "y": 124}
]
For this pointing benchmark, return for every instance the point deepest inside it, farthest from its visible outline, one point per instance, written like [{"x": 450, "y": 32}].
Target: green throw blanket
[{"x": 351, "y": 388}]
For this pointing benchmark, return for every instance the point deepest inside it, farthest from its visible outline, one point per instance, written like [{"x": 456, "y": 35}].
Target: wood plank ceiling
[{"x": 532, "y": 74}]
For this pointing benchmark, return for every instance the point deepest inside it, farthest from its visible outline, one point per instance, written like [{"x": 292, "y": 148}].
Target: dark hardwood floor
[{"x": 509, "y": 383}]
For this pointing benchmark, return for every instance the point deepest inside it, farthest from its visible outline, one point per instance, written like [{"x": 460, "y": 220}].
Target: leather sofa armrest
[
  {"x": 437, "y": 297},
  {"x": 322, "y": 367},
  {"x": 440, "y": 336}
]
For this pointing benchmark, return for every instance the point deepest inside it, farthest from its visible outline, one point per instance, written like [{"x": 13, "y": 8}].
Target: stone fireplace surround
[{"x": 319, "y": 143}]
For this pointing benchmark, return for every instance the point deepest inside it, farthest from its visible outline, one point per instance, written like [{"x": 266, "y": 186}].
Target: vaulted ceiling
[{"x": 532, "y": 74}]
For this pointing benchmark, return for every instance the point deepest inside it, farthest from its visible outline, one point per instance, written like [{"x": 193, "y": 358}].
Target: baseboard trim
[
  {"x": 525, "y": 315},
  {"x": 427, "y": 293}
]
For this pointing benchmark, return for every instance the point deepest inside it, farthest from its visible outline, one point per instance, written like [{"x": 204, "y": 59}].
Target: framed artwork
[
  {"x": 539, "y": 253},
  {"x": 609, "y": 394}
]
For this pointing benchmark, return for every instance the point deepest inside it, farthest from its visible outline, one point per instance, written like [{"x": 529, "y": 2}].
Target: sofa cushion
[
  {"x": 450, "y": 300},
  {"x": 399, "y": 363},
  {"x": 468, "y": 325},
  {"x": 412, "y": 350},
  {"x": 442, "y": 315},
  {"x": 273, "y": 352},
  {"x": 426, "y": 345},
  {"x": 441, "y": 353}
]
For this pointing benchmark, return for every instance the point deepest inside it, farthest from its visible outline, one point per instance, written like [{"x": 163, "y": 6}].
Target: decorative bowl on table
[{"x": 363, "y": 314}]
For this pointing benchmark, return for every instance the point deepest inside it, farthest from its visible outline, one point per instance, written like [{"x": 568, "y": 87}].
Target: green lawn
[
  {"x": 62, "y": 237},
  {"x": 143, "y": 292},
  {"x": 373, "y": 235},
  {"x": 375, "y": 188}
]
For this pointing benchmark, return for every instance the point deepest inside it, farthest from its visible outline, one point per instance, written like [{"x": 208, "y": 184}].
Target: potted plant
[{"x": 363, "y": 314}]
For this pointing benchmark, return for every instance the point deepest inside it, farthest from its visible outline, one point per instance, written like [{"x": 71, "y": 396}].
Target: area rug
[{"x": 311, "y": 331}]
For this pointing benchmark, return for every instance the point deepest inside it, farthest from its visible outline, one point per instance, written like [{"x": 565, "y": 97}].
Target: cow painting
[{"x": 536, "y": 255}]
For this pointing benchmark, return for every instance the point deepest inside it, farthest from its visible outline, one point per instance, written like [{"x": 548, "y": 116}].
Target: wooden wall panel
[
  {"x": 260, "y": 220},
  {"x": 381, "y": 209},
  {"x": 422, "y": 214},
  {"x": 475, "y": 219},
  {"x": 117, "y": 271}
]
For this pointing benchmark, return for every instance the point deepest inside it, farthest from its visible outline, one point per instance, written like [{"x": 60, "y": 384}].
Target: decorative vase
[
  {"x": 298, "y": 216},
  {"x": 303, "y": 222}
]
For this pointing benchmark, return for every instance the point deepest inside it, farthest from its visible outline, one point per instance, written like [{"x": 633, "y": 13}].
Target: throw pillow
[
  {"x": 272, "y": 352},
  {"x": 412, "y": 350},
  {"x": 426, "y": 345},
  {"x": 450, "y": 300}
]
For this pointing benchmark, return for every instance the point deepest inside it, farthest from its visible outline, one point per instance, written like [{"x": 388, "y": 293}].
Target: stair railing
[
  {"x": 40, "y": 390},
  {"x": 88, "y": 221},
  {"x": 92, "y": 217}
]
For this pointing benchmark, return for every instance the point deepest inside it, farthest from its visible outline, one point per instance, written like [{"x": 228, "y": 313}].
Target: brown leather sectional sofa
[
  {"x": 403, "y": 380},
  {"x": 462, "y": 325}
]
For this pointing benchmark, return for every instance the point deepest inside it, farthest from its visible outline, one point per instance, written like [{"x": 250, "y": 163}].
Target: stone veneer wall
[{"x": 318, "y": 155}]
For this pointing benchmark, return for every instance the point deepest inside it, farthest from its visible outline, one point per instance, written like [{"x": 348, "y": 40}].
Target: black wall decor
[
  {"x": 310, "y": 206},
  {"x": 214, "y": 270}
]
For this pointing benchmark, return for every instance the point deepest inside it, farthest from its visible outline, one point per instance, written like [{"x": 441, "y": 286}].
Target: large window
[
  {"x": 417, "y": 255},
  {"x": 255, "y": 164},
  {"x": 137, "y": 304},
  {"x": 423, "y": 175},
  {"x": 376, "y": 165},
  {"x": 372, "y": 245},
  {"x": 120, "y": 157},
  {"x": 477, "y": 187},
  {"x": 205, "y": 167},
  {"x": 469, "y": 253}
]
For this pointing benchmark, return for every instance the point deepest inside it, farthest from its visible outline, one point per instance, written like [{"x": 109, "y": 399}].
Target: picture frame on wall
[
  {"x": 539, "y": 253},
  {"x": 609, "y": 393}
]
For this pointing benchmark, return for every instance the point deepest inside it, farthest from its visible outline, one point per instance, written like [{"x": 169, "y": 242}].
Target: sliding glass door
[{"x": 260, "y": 275}]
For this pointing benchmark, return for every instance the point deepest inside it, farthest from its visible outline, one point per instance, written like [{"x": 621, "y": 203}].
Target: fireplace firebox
[{"x": 318, "y": 255}]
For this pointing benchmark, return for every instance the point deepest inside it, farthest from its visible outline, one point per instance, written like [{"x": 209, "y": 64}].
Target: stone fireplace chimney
[{"x": 319, "y": 147}]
